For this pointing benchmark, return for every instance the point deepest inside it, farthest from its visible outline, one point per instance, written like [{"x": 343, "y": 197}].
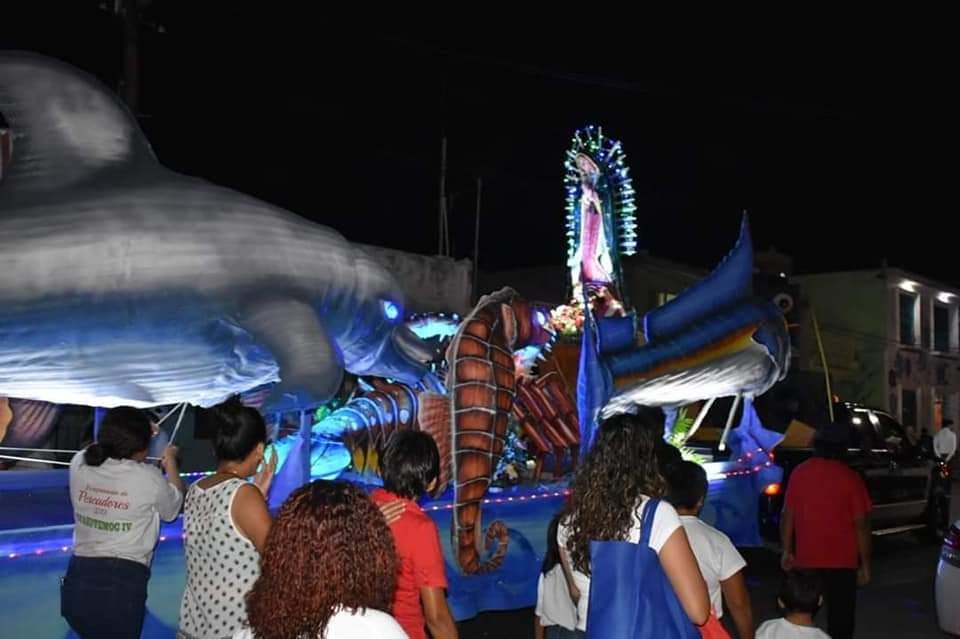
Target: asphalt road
[{"x": 898, "y": 603}]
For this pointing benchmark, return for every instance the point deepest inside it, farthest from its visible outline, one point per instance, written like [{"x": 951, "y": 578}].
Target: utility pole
[
  {"x": 476, "y": 240},
  {"x": 132, "y": 23},
  {"x": 130, "y": 80},
  {"x": 443, "y": 236}
]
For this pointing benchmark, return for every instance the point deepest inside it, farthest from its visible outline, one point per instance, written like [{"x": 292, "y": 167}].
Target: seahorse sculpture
[
  {"x": 468, "y": 421},
  {"x": 481, "y": 383}
]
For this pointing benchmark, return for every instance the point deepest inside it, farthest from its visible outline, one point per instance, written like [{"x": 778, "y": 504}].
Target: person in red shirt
[
  {"x": 410, "y": 467},
  {"x": 826, "y": 526}
]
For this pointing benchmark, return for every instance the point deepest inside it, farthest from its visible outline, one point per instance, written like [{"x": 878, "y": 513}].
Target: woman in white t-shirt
[
  {"x": 118, "y": 502},
  {"x": 328, "y": 570},
  {"x": 609, "y": 492}
]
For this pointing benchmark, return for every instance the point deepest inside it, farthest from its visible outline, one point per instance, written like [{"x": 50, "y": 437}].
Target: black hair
[
  {"x": 551, "y": 557},
  {"x": 668, "y": 457},
  {"x": 619, "y": 469},
  {"x": 831, "y": 441},
  {"x": 239, "y": 429},
  {"x": 124, "y": 432},
  {"x": 409, "y": 463},
  {"x": 829, "y": 450},
  {"x": 686, "y": 484},
  {"x": 801, "y": 591}
]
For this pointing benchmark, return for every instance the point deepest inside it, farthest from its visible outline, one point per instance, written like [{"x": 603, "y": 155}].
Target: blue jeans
[
  {"x": 104, "y": 597},
  {"x": 559, "y": 632}
]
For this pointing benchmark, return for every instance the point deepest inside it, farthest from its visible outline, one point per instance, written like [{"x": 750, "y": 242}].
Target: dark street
[{"x": 899, "y": 602}]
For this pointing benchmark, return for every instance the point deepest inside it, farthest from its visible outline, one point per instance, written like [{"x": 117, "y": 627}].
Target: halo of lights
[{"x": 607, "y": 153}]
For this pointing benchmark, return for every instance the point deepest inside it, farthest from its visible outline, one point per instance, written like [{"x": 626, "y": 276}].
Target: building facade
[{"x": 890, "y": 340}]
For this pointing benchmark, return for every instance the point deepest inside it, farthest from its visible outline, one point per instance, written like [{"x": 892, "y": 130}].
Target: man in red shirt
[
  {"x": 826, "y": 526},
  {"x": 410, "y": 467}
]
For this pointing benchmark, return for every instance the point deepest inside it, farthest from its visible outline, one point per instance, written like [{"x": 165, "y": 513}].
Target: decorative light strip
[
  {"x": 198, "y": 474},
  {"x": 505, "y": 500},
  {"x": 40, "y": 551},
  {"x": 746, "y": 458}
]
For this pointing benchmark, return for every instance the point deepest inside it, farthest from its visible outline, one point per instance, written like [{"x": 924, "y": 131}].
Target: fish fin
[
  {"x": 67, "y": 126},
  {"x": 372, "y": 465},
  {"x": 357, "y": 450},
  {"x": 311, "y": 368}
]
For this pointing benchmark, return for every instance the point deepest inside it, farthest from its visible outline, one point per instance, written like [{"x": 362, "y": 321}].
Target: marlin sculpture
[
  {"x": 713, "y": 340},
  {"x": 122, "y": 282}
]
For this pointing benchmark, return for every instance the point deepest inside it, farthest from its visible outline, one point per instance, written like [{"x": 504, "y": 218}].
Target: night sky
[{"x": 840, "y": 146}]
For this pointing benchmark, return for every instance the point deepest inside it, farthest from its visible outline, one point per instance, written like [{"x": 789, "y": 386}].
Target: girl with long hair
[
  {"x": 328, "y": 571},
  {"x": 118, "y": 502},
  {"x": 612, "y": 487},
  {"x": 557, "y": 596}
]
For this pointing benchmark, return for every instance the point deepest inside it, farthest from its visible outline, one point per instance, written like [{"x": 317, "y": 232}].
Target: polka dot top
[{"x": 222, "y": 564}]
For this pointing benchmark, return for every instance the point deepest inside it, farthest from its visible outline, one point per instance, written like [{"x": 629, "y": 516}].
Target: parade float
[{"x": 125, "y": 283}]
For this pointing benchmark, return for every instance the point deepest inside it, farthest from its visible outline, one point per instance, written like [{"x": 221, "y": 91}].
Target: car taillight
[{"x": 772, "y": 490}]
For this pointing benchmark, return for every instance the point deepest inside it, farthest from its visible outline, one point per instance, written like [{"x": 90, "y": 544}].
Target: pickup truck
[{"x": 909, "y": 487}]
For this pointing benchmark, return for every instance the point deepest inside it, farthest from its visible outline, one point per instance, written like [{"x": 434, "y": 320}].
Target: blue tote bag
[{"x": 630, "y": 595}]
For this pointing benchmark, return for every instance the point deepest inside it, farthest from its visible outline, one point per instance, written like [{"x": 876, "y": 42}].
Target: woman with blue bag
[{"x": 625, "y": 547}]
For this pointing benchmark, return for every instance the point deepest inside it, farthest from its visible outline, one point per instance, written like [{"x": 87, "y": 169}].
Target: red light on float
[{"x": 771, "y": 490}]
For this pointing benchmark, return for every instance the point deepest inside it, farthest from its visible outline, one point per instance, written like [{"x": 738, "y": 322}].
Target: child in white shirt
[
  {"x": 801, "y": 596},
  {"x": 556, "y": 612},
  {"x": 720, "y": 563}
]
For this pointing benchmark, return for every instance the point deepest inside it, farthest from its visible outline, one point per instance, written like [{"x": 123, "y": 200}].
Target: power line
[{"x": 623, "y": 86}]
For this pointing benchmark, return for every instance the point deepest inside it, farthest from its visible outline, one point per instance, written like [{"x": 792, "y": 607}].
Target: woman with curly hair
[
  {"x": 328, "y": 569},
  {"x": 616, "y": 481}
]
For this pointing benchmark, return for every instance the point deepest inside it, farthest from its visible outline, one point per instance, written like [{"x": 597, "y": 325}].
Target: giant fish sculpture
[
  {"x": 122, "y": 282},
  {"x": 713, "y": 340}
]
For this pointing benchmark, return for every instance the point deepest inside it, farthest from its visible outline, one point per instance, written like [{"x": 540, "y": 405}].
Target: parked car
[
  {"x": 910, "y": 489},
  {"x": 948, "y": 582}
]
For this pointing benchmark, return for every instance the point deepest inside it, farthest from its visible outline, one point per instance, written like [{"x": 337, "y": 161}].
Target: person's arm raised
[
  {"x": 682, "y": 570},
  {"x": 171, "y": 468},
  {"x": 250, "y": 515}
]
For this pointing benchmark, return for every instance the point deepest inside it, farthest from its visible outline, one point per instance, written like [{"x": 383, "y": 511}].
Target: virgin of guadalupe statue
[{"x": 591, "y": 263}]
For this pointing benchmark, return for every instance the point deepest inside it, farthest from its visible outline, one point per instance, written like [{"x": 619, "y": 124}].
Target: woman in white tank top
[{"x": 225, "y": 525}]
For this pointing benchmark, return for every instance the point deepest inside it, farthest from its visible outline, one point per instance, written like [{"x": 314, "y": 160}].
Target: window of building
[
  {"x": 941, "y": 328},
  {"x": 908, "y": 319},
  {"x": 664, "y": 297},
  {"x": 908, "y": 407}
]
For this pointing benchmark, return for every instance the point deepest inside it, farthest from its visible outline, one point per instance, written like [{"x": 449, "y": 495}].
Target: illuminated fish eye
[
  {"x": 390, "y": 310},
  {"x": 541, "y": 318}
]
